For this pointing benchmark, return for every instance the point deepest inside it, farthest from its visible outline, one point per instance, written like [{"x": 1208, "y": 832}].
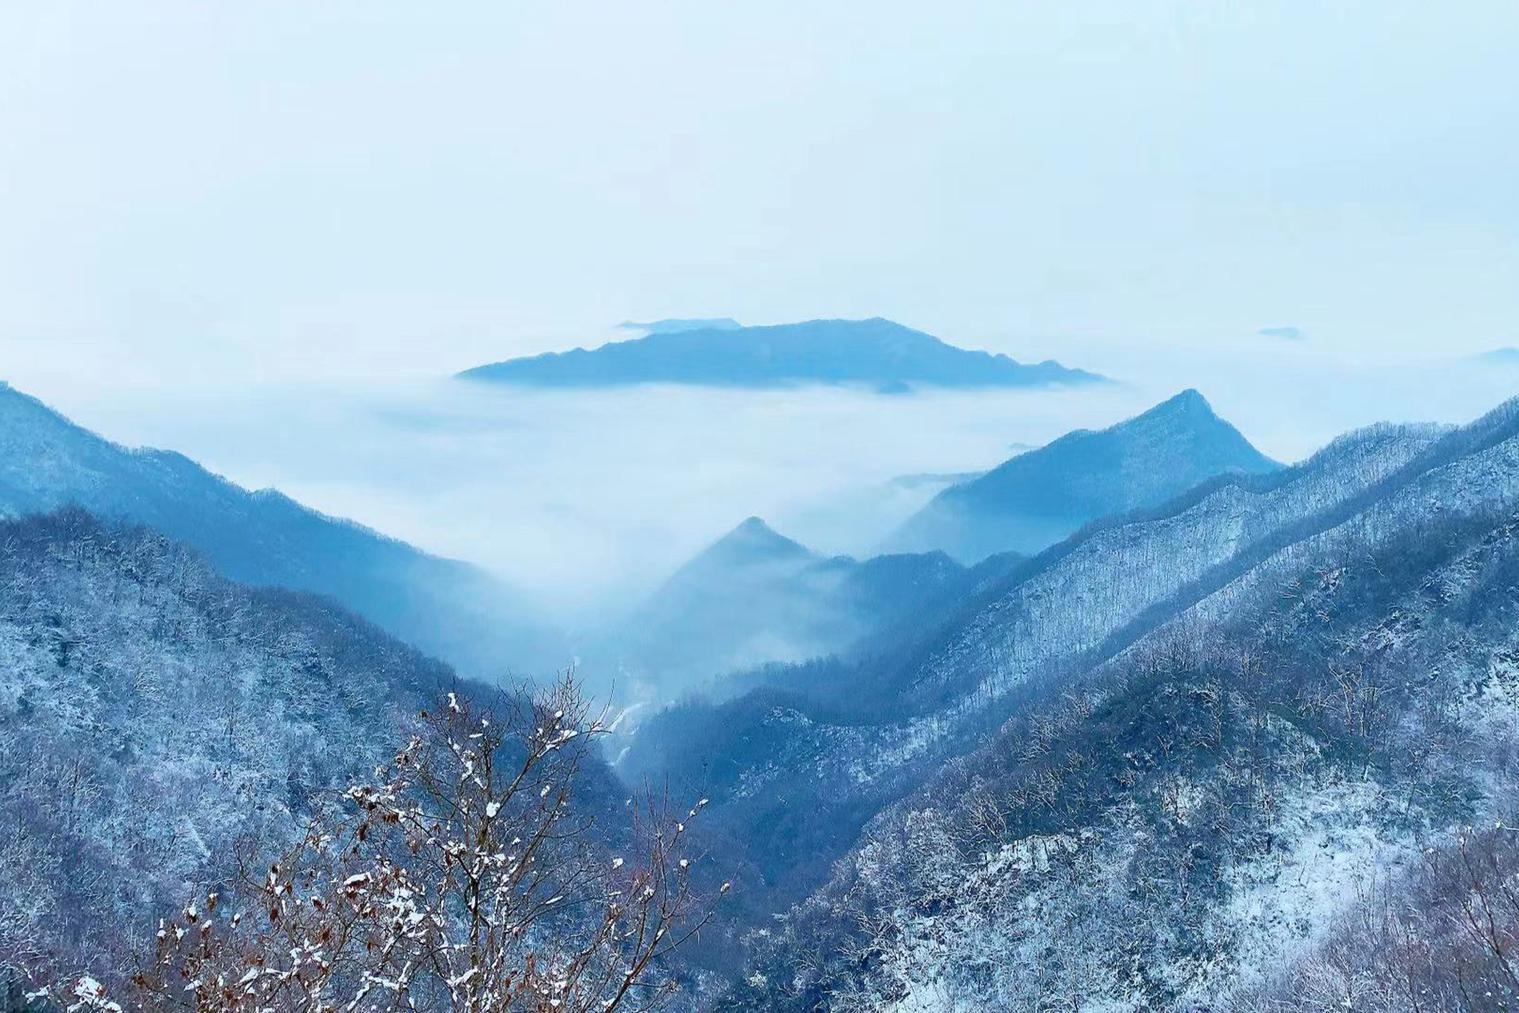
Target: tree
[{"x": 461, "y": 879}]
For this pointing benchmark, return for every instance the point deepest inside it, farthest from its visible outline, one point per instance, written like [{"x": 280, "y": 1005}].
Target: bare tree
[{"x": 460, "y": 880}]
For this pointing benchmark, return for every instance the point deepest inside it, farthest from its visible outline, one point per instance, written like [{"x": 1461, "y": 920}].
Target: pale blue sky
[{"x": 218, "y": 190}]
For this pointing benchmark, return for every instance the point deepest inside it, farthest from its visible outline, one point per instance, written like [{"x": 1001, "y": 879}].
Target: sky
[{"x": 248, "y": 231}]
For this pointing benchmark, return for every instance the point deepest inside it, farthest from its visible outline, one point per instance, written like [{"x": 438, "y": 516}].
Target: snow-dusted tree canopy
[{"x": 461, "y": 880}]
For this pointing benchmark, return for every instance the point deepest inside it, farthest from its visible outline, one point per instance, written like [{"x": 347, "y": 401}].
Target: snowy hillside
[
  {"x": 1218, "y": 804},
  {"x": 154, "y": 715},
  {"x": 1218, "y": 776}
]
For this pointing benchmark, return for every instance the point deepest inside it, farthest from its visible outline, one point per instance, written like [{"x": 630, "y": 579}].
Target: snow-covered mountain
[
  {"x": 1270, "y": 796},
  {"x": 1037, "y": 498},
  {"x": 155, "y": 718},
  {"x": 1252, "y": 747},
  {"x": 160, "y": 724},
  {"x": 451, "y": 609},
  {"x": 804, "y": 766}
]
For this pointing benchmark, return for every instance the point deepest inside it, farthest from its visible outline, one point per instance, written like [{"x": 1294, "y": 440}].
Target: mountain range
[
  {"x": 449, "y": 608},
  {"x": 1222, "y": 735},
  {"x": 673, "y": 324},
  {"x": 1037, "y": 498},
  {"x": 756, "y": 598},
  {"x": 876, "y": 353},
  {"x": 1245, "y": 741}
]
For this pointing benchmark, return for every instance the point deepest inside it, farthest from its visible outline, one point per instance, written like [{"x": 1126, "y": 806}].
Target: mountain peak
[
  {"x": 677, "y": 325},
  {"x": 1039, "y": 498},
  {"x": 1187, "y": 414},
  {"x": 750, "y": 544},
  {"x": 755, "y": 540},
  {"x": 1189, "y": 401}
]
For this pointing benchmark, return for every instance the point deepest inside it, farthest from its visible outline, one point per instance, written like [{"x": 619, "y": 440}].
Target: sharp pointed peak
[
  {"x": 750, "y": 542},
  {"x": 1188, "y": 398},
  {"x": 753, "y": 536},
  {"x": 1188, "y": 403}
]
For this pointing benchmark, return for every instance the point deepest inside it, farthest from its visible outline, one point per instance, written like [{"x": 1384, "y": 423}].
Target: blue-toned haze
[{"x": 263, "y": 237}]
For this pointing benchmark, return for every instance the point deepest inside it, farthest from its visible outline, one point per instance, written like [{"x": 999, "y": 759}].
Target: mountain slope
[
  {"x": 162, "y": 726},
  {"x": 875, "y": 352},
  {"x": 801, "y": 767},
  {"x": 1276, "y": 766},
  {"x": 448, "y": 608},
  {"x": 155, "y": 717},
  {"x": 1035, "y": 499}
]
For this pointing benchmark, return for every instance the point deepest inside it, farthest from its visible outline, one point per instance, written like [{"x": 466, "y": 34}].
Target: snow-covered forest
[{"x": 1258, "y": 738}]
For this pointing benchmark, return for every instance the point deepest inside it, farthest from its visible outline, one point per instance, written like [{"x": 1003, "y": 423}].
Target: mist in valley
[{"x": 589, "y": 499}]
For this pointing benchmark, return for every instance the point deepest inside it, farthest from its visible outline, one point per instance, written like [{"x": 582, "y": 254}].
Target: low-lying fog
[{"x": 588, "y": 498}]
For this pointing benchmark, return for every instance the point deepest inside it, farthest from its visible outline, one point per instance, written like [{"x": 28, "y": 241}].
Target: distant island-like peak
[{"x": 722, "y": 353}]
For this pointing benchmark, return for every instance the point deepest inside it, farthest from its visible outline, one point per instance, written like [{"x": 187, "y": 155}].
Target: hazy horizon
[
  {"x": 265, "y": 237},
  {"x": 589, "y": 498}
]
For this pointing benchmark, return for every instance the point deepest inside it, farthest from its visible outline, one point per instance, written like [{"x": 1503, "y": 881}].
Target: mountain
[
  {"x": 755, "y": 597},
  {"x": 1286, "y": 782},
  {"x": 448, "y": 608},
  {"x": 802, "y": 766},
  {"x": 875, "y": 352},
  {"x": 753, "y": 543},
  {"x": 1242, "y": 739},
  {"x": 156, "y": 717},
  {"x": 1506, "y": 356},
  {"x": 161, "y": 726},
  {"x": 1040, "y": 497}
]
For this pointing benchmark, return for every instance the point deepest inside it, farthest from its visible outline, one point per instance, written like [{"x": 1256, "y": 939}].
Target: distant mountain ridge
[
  {"x": 874, "y": 352},
  {"x": 1505, "y": 356},
  {"x": 1039, "y": 497},
  {"x": 673, "y": 325},
  {"x": 755, "y": 597},
  {"x": 448, "y": 608}
]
